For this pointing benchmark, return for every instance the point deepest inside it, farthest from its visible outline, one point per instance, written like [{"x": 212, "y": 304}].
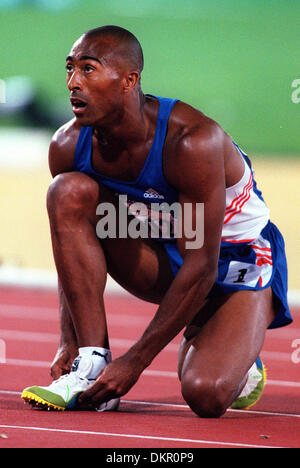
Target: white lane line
[
  {"x": 177, "y": 405},
  {"x": 136, "y": 436},
  {"x": 47, "y": 279},
  {"x": 42, "y": 337},
  {"x": 52, "y": 314},
  {"x": 29, "y": 312},
  {"x": 147, "y": 372},
  {"x": 180, "y": 406},
  {"x": 20, "y": 335},
  {"x": 48, "y": 313}
]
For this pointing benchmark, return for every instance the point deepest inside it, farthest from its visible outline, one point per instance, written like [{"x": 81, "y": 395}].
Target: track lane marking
[
  {"x": 180, "y": 406},
  {"x": 138, "y": 436},
  {"x": 147, "y": 372},
  {"x": 48, "y": 313},
  {"x": 43, "y": 337}
]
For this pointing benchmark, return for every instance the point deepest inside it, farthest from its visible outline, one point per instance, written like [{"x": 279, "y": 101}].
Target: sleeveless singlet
[
  {"x": 246, "y": 213},
  {"x": 252, "y": 253}
]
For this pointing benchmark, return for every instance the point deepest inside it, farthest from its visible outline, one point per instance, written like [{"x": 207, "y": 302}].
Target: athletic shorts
[{"x": 249, "y": 266}]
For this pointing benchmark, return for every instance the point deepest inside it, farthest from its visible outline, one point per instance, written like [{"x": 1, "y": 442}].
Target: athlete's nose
[{"x": 74, "y": 81}]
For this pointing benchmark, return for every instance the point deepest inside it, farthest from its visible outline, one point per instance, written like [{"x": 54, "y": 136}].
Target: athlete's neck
[{"x": 131, "y": 127}]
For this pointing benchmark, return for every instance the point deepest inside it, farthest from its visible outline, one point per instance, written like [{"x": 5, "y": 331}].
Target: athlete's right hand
[{"x": 62, "y": 361}]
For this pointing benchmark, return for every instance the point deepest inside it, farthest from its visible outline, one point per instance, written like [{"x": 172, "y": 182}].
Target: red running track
[{"x": 153, "y": 414}]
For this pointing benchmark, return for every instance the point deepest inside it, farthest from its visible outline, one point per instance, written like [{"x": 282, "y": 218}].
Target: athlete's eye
[
  {"x": 88, "y": 68},
  {"x": 69, "y": 67}
]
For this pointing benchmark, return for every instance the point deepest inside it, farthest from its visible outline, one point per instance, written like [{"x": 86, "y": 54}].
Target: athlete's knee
[
  {"x": 72, "y": 193},
  {"x": 207, "y": 397}
]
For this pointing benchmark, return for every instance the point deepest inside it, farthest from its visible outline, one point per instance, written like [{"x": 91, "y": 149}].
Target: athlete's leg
[
  {"x": 83, "y": 260},
  {"x": 220, "y": 346}
]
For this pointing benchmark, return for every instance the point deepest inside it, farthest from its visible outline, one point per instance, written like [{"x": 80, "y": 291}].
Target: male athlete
[{"x": 226, "y": 292}]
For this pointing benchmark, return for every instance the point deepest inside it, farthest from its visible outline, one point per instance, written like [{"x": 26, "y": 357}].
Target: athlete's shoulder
[
  {"x": 196, "y": 145},
  {"x": 193, "y": 134},
  {"x": 62, "y": 148},
  {"x": 187, "y": 121}
]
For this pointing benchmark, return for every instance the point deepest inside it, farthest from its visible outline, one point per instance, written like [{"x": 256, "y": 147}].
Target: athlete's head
[
  {"x": 103, "y": 68},
  {"x": 122, "y": 46}
]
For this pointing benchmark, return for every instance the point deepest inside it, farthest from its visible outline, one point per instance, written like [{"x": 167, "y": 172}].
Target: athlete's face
[{"x": 96, "y": 82}]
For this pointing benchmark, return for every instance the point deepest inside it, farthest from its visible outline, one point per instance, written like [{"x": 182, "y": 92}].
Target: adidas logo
[{"x": 150, "y": 193}]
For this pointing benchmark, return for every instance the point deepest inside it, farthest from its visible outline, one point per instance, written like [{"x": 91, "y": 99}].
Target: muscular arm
[
  {"x": 61, "y": 153},
  {"x": 62, "y": 149},
  {"x": 68, "y": 348},
  {"x": 198, "y": 175}
]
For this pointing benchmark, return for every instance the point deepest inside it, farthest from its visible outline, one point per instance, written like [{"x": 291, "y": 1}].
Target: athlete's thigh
[
  {"x": 227, "y": 336},
  {"x": 139, "y": 265}
]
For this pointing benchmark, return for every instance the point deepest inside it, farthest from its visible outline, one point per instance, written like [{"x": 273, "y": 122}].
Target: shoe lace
[{"x": 72, "y": 378}]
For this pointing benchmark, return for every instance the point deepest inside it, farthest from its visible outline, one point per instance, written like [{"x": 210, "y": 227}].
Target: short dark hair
[{"x": 129, "y": 46}]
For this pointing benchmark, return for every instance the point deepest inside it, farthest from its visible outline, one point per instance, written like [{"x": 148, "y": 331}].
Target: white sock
[{"x": 99, "y": 356}]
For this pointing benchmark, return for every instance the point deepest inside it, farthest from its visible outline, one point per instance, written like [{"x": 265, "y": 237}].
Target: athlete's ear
[{"x": 131, "y": 80}]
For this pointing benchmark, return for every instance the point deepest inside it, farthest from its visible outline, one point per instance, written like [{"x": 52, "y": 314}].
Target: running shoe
[
  {"x": 62, "y": 394},
  {"x": 254, "y": 387}
]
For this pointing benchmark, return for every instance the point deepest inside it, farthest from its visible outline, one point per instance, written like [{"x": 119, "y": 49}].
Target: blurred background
[{"x": 237, "y": 61}]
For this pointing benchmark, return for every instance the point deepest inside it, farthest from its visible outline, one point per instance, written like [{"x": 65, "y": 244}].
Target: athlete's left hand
[{"x": 114, "y": 380}]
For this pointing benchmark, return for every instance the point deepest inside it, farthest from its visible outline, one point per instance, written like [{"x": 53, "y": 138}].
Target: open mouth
[{"x": 78, "y": 106}]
